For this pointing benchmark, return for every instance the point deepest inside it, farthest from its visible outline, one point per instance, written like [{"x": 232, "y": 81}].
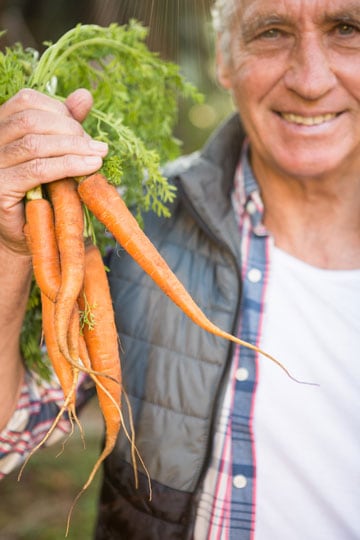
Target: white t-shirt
[{"x": 307, "y": 438}]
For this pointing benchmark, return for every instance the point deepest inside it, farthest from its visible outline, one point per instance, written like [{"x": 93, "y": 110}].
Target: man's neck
[{"x": 315, "y": 220}]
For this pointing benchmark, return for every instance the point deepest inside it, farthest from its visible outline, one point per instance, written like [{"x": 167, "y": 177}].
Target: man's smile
[{"x": 315, "y": 120}]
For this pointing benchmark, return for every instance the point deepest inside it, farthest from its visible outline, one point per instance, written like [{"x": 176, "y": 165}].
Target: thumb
[{"x": 79, "y": 104}]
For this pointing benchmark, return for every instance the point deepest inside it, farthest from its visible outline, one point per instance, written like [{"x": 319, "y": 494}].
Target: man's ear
[{"x": 223, "y": 65}]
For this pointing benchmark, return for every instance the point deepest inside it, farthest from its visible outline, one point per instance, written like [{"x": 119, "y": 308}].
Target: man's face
[{"x": 294, "y": 72}]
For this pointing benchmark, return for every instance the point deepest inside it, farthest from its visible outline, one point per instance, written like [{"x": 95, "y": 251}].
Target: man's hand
[{"x": 41, "y": 140}]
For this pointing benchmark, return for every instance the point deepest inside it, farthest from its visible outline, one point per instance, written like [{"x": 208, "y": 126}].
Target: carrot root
[{"x": 51, "y": 430}]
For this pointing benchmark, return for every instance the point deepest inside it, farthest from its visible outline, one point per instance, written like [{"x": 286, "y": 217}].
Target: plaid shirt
[
  {"x": 226, "y": 510},
  {"x": 227, "y": 506},
  {"x": 38, "y": 406}
]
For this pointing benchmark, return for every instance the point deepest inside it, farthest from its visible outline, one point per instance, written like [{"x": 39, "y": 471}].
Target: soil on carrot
[{"x": 37, "y": 506}]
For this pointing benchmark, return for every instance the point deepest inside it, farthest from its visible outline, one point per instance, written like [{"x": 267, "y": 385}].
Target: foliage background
[{"x": 181, "y": 31}]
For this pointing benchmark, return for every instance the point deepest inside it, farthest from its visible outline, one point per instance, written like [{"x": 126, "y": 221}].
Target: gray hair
[{"x": 223, "y": 12}]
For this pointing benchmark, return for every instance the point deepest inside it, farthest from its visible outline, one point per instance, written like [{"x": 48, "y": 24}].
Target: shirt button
[
  {"x": 251, "y": 208},
  {"x": 239, "y": 481},
  {"x": 242, "y": 374},
  {"x": 254, "y": 275}
]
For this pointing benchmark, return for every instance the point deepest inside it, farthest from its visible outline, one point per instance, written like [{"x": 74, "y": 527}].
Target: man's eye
[
  {"x": 272, "y": 33},
  {"x": 345, "y": 29}
]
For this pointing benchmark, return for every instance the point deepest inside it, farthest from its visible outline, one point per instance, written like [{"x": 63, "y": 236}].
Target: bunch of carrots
[{"x": 78, "y": 319}]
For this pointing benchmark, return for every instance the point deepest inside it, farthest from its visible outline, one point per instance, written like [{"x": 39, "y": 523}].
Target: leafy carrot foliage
[{"x": 136, "y": 96}]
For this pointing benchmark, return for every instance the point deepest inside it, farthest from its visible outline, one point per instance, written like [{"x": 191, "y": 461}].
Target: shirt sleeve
[{"x": 38, "y": 406}]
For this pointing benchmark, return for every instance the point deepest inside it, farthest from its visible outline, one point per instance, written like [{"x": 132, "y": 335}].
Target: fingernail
[
  {"x": 98, "y": 146},
  {"x": 93, "y": 161}
]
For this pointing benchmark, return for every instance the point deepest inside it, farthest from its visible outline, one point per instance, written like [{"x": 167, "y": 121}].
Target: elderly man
[{"x": 265, "y": 233}]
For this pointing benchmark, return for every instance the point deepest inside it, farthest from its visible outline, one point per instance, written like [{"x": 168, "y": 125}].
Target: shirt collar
[{"x": 246, "y": 195}]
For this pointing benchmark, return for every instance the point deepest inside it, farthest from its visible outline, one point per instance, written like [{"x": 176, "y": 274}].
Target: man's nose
[{"x": 310, "y": 74}]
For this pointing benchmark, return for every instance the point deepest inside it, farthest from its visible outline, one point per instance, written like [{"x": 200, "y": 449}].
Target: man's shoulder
[
  {"x": 181, "y": 165},
  {"x": 221, "y": 151}
]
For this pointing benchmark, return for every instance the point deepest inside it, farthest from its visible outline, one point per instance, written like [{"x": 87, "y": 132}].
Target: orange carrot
[
  {"x": 66, "y": 374},
  {"x": 69, "y": 227},
  {"x": 104, "y": 201},
  {"x": 73, "y": 336},
  {"x": 64, "y": 371},
  {"x": 101, "y": 344},
  {"x": 40, "y": 235}
]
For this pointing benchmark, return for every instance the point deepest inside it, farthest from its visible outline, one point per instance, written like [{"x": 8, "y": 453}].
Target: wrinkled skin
[
  {"x": 41, "y": 140},
  {"x": 291, "y": 60},
  {"x": 292, "y": 69}
]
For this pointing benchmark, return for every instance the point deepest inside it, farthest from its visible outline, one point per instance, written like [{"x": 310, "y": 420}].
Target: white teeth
[{"x": 308, "y": 120}]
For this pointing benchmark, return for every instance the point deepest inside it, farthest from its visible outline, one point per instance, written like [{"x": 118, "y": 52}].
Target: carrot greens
[
  {"x": 136, "y": 96},
  {"x": 135, "y": 100}
]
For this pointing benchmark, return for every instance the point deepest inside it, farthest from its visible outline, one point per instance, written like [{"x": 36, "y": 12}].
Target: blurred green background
[{"x": 180, "y": 30}]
